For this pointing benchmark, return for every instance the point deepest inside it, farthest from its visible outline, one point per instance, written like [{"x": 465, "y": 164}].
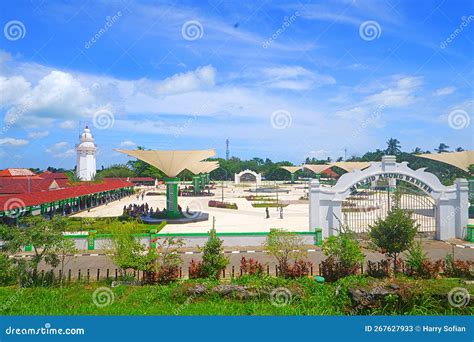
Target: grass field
[
  {"x": 102, "y": 225},
  {"x": 308, "y": 298}
]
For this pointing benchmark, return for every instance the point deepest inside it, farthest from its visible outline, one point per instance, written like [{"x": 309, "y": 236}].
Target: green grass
[
  {"x": 308, "y": 298},
  {"x": 269, "y": 205},
  {"x": 101, "y": 225}
]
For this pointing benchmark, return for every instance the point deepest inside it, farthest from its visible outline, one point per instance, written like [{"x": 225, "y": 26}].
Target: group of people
[
  {"x": 138, "y": 210},
  {"x": 267, "y": 212}
]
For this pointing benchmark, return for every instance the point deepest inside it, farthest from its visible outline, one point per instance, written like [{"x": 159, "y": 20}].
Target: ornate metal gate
[{"x": 364, "y": 206}]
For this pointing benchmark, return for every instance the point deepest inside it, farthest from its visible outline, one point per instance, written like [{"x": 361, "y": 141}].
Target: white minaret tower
[{"x": 86, "y": 167}]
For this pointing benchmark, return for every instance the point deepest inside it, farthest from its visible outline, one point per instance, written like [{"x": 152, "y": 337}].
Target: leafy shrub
[
  {"x": 224, "y": 205},
  {"x": 300, "y": 268},
  {"x": 344, "y": 249},
  {"x": 379, "y": 269},
  {"x": 284, "y": 246},
  {"x": 333, "y": 270},
  {"x": 394, "y": 234},
  {"x": 251, "y": 267},
  {"x": 458, "y": 268},
  {"x": 7, "y": 271},
  {"x": 213, "y": 259},
  {"x": 419, "y": 265}
]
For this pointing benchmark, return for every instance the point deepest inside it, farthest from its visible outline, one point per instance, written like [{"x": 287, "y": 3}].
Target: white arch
[
  {"x": 258, "y": 176},
  {"x": 451, "y": 201}
]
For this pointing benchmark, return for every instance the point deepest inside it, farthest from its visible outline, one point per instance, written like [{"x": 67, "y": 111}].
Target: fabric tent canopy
[
  {"x": 170, "y": 162},
  {"x": 351, "y": 166},
  {"x": 461, "y": 160},
  {"x": 203, "y": 167},
  {"x": 292, "y": 169},
  {"x": 316, "y": 168}
]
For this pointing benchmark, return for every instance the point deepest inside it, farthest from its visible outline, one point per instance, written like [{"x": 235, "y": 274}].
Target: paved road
[{"x": 434, "y": 249}]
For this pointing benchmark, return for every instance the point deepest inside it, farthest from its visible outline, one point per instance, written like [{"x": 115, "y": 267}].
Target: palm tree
[
  {"x": 442, "y": 148},
  {"x": 393, "y": 147},
  {"x": 417, "y": 150}
]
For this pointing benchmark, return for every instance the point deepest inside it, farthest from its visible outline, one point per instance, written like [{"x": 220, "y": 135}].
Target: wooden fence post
[
  {"x": 69, "y": 275},
  {"x": 107, "y": 274},
  {"x": 79, "y": 275},
  {"x": 98, "y": 274}
]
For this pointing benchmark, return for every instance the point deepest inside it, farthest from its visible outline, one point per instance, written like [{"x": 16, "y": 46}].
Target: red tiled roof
[
  {"x": 142, "y": 179},
  {"x": 53, "y": 175},
  {"x": 16, "y": 172},
  {"x": 22, "y": 185},
  {"x": 31, "y": 199}
]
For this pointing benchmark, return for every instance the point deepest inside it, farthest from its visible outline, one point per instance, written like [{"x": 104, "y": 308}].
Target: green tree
[
  {"x": 284, "y": 246},
  {"x": 43, "y": 235},
  {"x": 393, "y": 147},
  {"x": 442, "y": 148},
  {"x": 344, "y": 249},
  {"x": 65, "y": 250},
  {"x": 394, "y": 234},
  {"x": 213, "y": 259},
  {"x": 126, "y": 249}
]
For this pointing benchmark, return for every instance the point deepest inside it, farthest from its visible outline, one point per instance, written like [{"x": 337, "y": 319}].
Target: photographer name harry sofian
[
  {"x": 420, "y": 184},
  {"x": 446, "y": 328}
]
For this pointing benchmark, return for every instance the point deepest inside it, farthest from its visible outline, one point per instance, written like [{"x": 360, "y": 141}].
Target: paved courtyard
[{"x": 245, "y": 219}]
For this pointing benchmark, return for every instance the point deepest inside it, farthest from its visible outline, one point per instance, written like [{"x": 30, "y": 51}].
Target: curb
[
  {"x": 184, "y": 253},
  {"x": 459, "y": 246}
]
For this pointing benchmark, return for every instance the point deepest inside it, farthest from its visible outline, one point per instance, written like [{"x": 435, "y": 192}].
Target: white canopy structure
[
  {"x": 461, "y": 160},
  {"x": 292, "y": 169},
  {"x": 317, "y": 168},
  {"x": 170, "y": 162},
  {"x": 351, "y": 166},
  {"x": 203, "y": 167}
]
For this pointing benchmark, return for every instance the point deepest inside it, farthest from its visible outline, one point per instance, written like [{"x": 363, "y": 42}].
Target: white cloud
[
  {"x": 13, "y": 142},
  {"x": 12, "y": 89},
  {"x": 38, "y": 135},
  {"x": 57, "y": 147},
  {"x": 68, "y": 124},
  {"x": 66, "y": 154},
  {"x": 201, "y": 78},
  {"x": 294, "y": 78},
  {"x": 444, "y": 91},
  {"x": 401, "y": 92},
  {"x": 127, "y": 143}
]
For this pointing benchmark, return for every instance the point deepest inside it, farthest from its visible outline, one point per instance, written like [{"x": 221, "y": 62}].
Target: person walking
[
  {"x": 267, "y": 212},
  {"x": 281, "y": 212}
]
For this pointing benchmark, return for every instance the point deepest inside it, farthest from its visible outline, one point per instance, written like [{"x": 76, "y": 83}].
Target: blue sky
[{"x": 284, "y": 80}]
